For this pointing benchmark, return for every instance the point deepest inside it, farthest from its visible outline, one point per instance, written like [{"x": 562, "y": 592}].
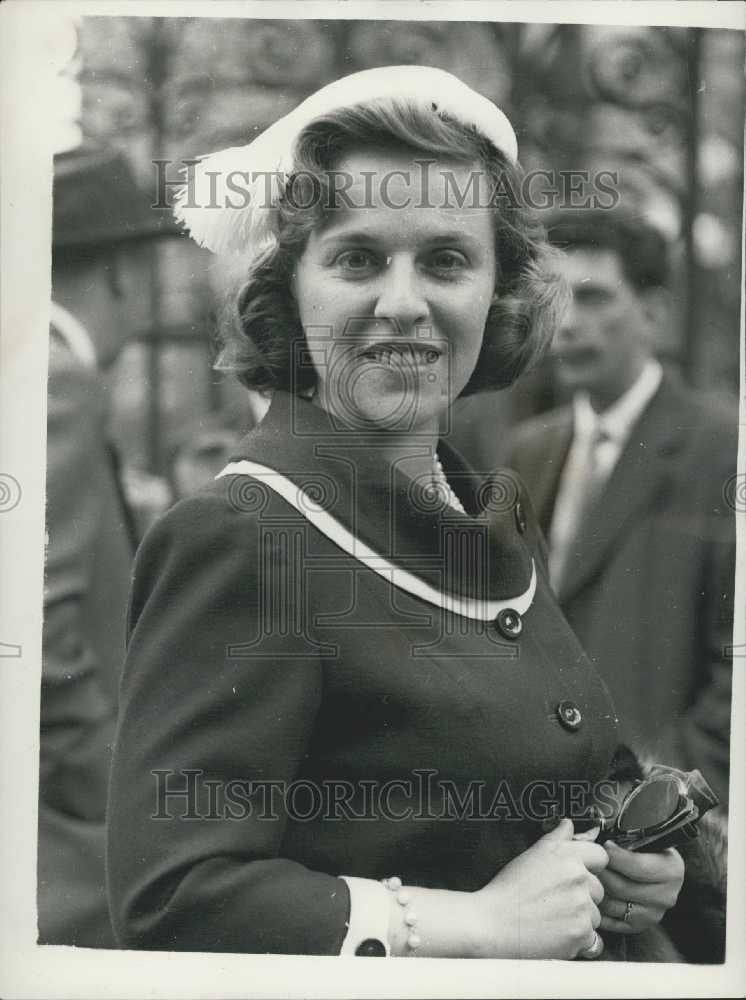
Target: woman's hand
[
  {"x": 544, "y": 903},
  {"x": 649, "y": 881}
]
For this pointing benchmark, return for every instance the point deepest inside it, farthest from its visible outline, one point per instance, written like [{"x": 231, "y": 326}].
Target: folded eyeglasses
[{"x": 660, "y": 811}]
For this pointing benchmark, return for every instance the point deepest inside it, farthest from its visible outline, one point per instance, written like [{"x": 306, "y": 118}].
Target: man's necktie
[{"x": 587, "y": 485}]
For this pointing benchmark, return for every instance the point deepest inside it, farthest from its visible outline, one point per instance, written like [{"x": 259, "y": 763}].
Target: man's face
[
  {"x": 101, "y": 292},
  {"x": 605, "y": 335}
]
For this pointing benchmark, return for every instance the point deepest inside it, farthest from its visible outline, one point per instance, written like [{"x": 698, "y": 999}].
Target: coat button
[
  {"x": 509, "y": 623},
  {"x": 520, "y": 518},
  {"x": 569, "y": 715},
  {"x": 371, "y": 948}
]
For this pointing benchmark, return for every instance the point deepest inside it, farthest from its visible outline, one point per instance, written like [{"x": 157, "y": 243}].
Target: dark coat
[
  {"x": 649, "y": 590},
  {"x": 261, "y": 652},
  {"x": 87, "y": 577}
]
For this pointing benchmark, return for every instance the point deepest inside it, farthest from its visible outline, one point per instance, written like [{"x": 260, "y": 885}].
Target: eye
[
  {"x": 355, "y": 261},
  {"x": 447, "y": 260},
  {"x": 592, "y": 296}
]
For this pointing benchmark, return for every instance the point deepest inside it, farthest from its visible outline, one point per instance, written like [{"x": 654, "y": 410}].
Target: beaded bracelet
[{"x": 404, "y": 898}]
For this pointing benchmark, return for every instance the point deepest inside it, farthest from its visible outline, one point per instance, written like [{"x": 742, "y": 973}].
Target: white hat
[{"x": 241, "y": 219}]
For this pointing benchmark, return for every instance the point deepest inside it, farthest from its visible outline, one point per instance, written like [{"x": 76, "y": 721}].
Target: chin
[
  {"x": 392, "y": 412},
  {"x": 575, "y": 379},
  {"x": 378, "y": 401}
]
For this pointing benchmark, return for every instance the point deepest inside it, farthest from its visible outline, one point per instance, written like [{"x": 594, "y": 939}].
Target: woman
[{"x": 350, "y": 703}]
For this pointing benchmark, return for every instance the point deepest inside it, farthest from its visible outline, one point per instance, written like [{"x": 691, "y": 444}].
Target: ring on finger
[{"x": 595, "y": 948}]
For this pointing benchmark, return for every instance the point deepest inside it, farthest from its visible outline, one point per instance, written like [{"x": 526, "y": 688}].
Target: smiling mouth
[{"x": 394, "y": 352}]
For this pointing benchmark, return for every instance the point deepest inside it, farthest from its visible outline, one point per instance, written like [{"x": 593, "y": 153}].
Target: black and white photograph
[{"x": 371, "y": 500}]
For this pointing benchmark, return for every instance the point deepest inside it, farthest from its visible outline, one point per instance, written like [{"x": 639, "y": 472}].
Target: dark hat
[{"x": 96, "y": 200}]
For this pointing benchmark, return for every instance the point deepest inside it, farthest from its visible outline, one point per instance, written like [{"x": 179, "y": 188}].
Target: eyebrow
[{"x": 332, "y": 235}]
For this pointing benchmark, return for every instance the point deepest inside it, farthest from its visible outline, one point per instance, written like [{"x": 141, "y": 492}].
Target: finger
[
  {"x": 643, "y": 866},
  {"x": 615, "y": 908},
  {"x": 619, "y": 887},
  {"x": 596, "y": 888},
  {"x": 594, "y": 948},
  {"x": 593, "y": 856},
  {"x": 615, "y": 926},
  {"x": 595, "y": 916},
  {"x": 562, "y": 831},
  {"x": 587, "y": 834}
]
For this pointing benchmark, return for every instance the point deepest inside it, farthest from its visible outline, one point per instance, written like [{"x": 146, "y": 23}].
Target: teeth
[{"x": 386, "y": 353}]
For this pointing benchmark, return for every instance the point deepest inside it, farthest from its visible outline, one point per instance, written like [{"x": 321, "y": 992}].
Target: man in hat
[
  {"x": 90, "y": 542},
  {"x": 629, "y": 485}
]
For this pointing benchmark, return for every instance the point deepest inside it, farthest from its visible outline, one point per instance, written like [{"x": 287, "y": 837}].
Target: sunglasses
[{"x": 660, "y": 811}]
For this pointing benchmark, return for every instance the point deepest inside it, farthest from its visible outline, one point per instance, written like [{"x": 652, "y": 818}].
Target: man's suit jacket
[
  {"x": 88, "y": 561},
  {"x": 649, "y": 587}
]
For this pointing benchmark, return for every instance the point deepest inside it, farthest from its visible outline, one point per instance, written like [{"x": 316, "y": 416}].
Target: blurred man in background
[
  {"x": 90, "y": 542},
  {"x": 628, "y": 485}
]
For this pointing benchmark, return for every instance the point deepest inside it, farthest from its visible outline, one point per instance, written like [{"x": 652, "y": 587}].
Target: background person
[
  {"x": 90, "y": 546},
  {"x": 202, "y": 450},
  {"x": 628, "y": 485}
]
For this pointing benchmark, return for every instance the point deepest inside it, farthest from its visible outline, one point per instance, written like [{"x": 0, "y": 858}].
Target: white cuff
[{"x": 370, "y": 903}]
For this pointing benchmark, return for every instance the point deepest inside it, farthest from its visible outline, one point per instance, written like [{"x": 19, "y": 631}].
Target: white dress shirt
[{"x": 600, "y": 438}]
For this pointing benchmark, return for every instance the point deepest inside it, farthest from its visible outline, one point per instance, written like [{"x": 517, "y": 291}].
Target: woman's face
[{"x": 394, "y": 288}]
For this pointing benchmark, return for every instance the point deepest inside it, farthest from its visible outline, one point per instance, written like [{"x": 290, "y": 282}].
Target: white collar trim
[{"x": 466, "y": 607}]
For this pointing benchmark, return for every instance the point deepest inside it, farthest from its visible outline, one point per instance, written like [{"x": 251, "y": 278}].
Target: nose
[{"x": 401, "y": 299}]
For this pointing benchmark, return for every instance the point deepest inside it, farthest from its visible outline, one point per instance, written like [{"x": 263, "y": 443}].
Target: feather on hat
[{"x": 227, "y": 218}]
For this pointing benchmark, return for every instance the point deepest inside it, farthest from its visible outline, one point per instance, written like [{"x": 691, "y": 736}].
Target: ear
[{"x": 657, "y": 308}]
